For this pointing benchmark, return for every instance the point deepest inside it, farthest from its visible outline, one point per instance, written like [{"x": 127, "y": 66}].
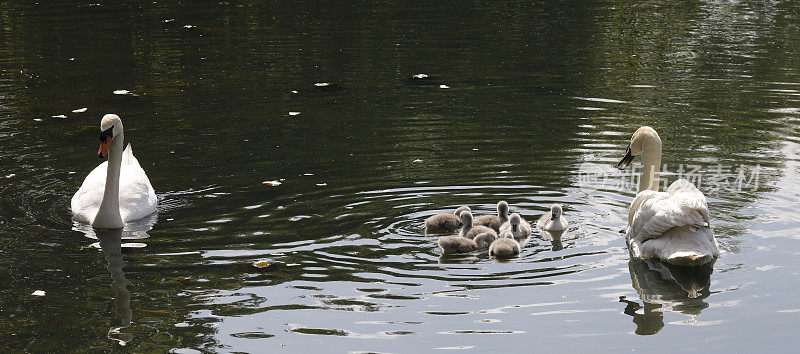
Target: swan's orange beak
[
  {"x": 104, "y": 144},
  {"x": 105, "y": 141}
]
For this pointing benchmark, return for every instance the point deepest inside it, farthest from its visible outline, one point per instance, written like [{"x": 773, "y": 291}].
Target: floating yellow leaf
[{"x": 261, "y": 264}]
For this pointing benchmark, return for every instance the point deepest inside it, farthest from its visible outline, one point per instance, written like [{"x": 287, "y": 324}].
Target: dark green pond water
[{"x": 521, "y": 100}]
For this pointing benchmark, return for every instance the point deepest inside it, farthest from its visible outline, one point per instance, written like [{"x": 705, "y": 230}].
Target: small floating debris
[
  {"x": 38, "y": 293},
  {"x": 598, "y": 99},
  {"x": 169, "y": 20},
  {"x": 475, "y": 149},
  {"x": 189, "y": 26},
  {"x": 787, "y": 110},
  {"x": 322, "y": 84},
  {"x": 280, "y": 207},
  {"x": 322, "y": 184},
  {"x": 121, "y": 92},
  {"x": 262, "y": 264},
  {"x": 10, "y": 175},
  {"x": 444, "y": 87},
  {"x": 80, "y": 110},
  {"x": 295, "y": 218},
  {"x": 38, "y": 119},
  {"x": 294, "y": 113},
  {"x": 417, "y": 160},
  {"x": 503, "y": 171},
  {"x": 420, "y": 76},
  {"x": 272, "y": 183},
  {"x": 71, "y": 59},
  {"x": 295, "y": 91},
  {"x": 62, "y": 116},
  {"x": 308, "y": 174}
]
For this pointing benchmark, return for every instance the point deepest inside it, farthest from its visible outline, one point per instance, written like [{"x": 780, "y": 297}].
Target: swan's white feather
[
  {"x": 653, "y": 213},
  {"x": 672, "y": 225},
  {"x": 137, "y": 198}
]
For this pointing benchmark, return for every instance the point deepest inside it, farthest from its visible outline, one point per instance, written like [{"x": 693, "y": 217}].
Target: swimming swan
[
  {"x": 444, "y": 222},
  {"x": 517, "y": 226},
  {"x": 494, "y": 221},
  {"x": 458, "y": 244},
  {"x": 469, "y": 231},
  {"x": 553, "y": 220},
  {"x": 674, "y": 225},
  {"x": 116, "y": 191},
  {"x": 505, "y": 246}
]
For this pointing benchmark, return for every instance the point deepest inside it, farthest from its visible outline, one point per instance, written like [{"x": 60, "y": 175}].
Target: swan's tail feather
[{"x": 127, "y": 156}]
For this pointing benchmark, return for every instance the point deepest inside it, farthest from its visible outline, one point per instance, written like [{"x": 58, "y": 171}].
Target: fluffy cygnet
[
  {"x": 494, "y": 221},
  {"x": 505, "y": 246},
  {"x": 469, "y": 231},
  {"x": 444, "y": 223},
  {"x": 517, "y": 226},
  {"x": 458, "y": 244},
  {"x": 553, "y": 220}
]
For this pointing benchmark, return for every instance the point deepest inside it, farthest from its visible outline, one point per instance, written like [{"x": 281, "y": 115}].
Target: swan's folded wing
[
  {"x": 690, "y": 198},
  {"x": 86, "y": 201},
  {"x": 137, "y": 198},
  {"x": 658, "y": 212}
]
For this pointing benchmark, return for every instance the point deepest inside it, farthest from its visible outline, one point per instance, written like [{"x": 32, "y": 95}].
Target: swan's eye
[{"x": 108, "y": 133}]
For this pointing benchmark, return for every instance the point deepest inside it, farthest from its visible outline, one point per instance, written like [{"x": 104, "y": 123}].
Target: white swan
[
  {"x": 553, "y": 220},
  {"x": 469, "y": 231},
  {"x": 494, "y": 221},
  {"x": 116, "y": 191},
  {"x": 517, "y": 226},
  {"x": 505, "y": 246},
  {"x": 444, "y": 223},
  {"x": 674, "y": 225}
]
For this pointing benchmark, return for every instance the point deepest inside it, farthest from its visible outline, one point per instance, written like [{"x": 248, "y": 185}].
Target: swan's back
[
  {"x": 672, "y": 226},
  {"x": 653, "y": 213}
]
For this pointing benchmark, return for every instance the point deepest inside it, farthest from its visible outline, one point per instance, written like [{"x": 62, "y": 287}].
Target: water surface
[{"x": 521, "y": 99}]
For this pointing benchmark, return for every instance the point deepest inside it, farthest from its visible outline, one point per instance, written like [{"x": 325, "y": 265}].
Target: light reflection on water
[{"x": 535, "y": 95}]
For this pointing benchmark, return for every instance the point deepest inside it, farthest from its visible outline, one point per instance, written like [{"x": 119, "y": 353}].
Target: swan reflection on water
[
  {"x": 110, "y": 242},
  {"x": 665, "y": 287},
  {"x": 554, "y": 237}
]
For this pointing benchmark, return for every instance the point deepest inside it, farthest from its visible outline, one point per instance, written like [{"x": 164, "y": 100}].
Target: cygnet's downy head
[
  {"x": 643, "y": 138},
  {"x": 110, "y": 128},
  {"x": 515, "y": 220},
  {"x": 502, "y": 209},
  {"x": 461, "y": 209},
  {"x": 555, "y": 211},
  {"x": 485, "y": 239},
  {"x": 466, "y": 219}
]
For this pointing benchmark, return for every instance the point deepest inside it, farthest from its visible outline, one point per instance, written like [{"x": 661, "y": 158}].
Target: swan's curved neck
[
  {"x": 651, "y": 165},
  {"x": 108, "y": 216}
]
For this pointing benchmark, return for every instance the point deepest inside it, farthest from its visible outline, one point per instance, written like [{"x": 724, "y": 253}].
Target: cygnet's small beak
[
  {"x": 515, "y": 227},
  {"x": 625, "y": 159},
  {"x": 553, "y": 216}
]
